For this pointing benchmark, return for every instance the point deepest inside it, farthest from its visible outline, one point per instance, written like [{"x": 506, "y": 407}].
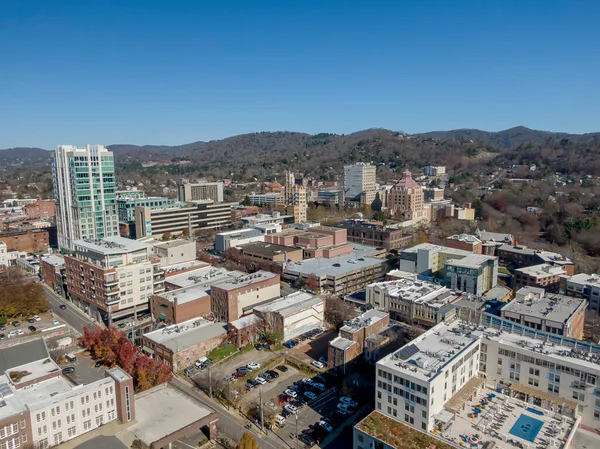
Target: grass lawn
[{"x": 221, "y": 352}]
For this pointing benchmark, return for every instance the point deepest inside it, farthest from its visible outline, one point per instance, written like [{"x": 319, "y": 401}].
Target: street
[{"x": 73, "y": 318}]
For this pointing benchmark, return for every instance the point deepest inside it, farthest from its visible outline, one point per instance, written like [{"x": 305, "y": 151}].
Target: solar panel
[{"x": 407, "y": 351}]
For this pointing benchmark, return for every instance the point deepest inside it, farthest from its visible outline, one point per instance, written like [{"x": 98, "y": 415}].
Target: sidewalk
[
  {"x": 71, "y": 307},
  {"x": 113, "y": 428}
]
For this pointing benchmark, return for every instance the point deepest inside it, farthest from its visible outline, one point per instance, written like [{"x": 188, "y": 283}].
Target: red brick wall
[
  {"x": 49, "y": 274},
  {"x": 41, "y": 208},
  {"x": 29, "y": 241},
  {"x": 466, "y": 246}
]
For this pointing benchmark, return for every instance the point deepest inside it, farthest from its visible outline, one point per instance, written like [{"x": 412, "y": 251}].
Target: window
[
  {"x": 37, "y": 417},
  {"x": 24, "y": 437},
  {"x": 424, "y": 426},
  {"x": 57, "y": 438},
  {"x": 98, "y": 420},
  {"x": 579, "y": 396},
  {"x": 87, "y": 425},
  {"x": 22, "y": 424}
]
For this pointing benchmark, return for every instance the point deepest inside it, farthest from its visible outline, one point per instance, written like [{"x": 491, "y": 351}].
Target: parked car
[
  {"x": 317, "y": 364},
  {"x": 98, "y": 364},
  {"x": 308, "y": 381},
  {"x": 280, "y": 420},
  {"x": 282, "y": 368},
  {"x": 272, "y": 373},
  {"x": 244, "y": 369},
  {"x": 326, "y": 424},
  {"x": 318, "y": 386},
  {"x": 323, "y": 360},
  {"x": 62, "y": 306},
  {"x": 261, "y": 380},
  {"x": 291, "y": 393},
  {"x": 239, "y": 374},
  {"x": 2, "y": 336},
  {"x": 16, "y": 323},
  {"x": 68, "y": 370},
  {"x": 11, "y": 334},
  {"x": 307, "y": 440},
  {"x": 349, "y": 401},
  {"x": 258, "y": 347},
  {"x": 309, "y": 395},
  {"x": 20, "y": 332},
  {"x": 290, "y": 409},
  {"x": 2, "y": 327},
  {"x": 31, "y": 320},
  {"x": 288, "y": 344},
  {"x": 55, "y": 322},
  {"x": 32, "y": 328},
  {"x": 346, "y": 407},
  {"x": 253, "y": 365}
]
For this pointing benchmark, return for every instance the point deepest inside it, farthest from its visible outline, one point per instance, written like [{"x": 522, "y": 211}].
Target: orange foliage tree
[{"x": 112, "y": 348}]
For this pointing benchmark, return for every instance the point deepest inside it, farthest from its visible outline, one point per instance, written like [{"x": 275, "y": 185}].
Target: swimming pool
[{"x": 526, "y": 428}]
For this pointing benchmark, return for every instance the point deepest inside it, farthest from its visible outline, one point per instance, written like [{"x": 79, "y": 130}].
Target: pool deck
[{"x": 498, "y": 418}]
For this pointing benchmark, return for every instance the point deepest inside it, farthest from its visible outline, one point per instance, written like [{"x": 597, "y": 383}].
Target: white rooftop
[
  {"x": 36, "y": 369},
  {"x": 178, "y": 337},
  {"x": 54, "y": 260},
  {"x": 341, "y": 343},
  {"x": 111, "y": 245},
  {"x": 436, "y": 248},
  {"x": 542, "y": 270},
  {"x": 360, "y": 258},
  {"x": 292, "y": 303},
  {"x": 587, "y": 279},
  {"x": 244, "y": 280},
  {"x": 468, "y": 238},
  {"x": 471, "y": 261},
  {"x": 547, "y": 306},
  {"x": 364, "y": 320},
  {"x": 419, "y": 292},
  {"x": 201, "y": 278}
]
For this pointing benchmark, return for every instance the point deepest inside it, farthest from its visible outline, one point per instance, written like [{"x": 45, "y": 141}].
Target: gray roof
[
  {"x": 292, "y": 303},
  {"x": 102, "y": 442},
  {"x": 187, "y": 334},
  {"x": 341, "y": 343},
  {"x": 111, "y": 245},
  {"x": 546, "y": 306},
  {"x": 21, "y": 354}
]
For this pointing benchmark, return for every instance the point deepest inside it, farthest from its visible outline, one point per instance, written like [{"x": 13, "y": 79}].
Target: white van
[
  {"x": 280, "y": 420},
  {"x": 71, "y": 357}
]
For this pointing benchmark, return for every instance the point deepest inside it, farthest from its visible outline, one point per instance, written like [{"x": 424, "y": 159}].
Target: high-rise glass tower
[{"x": 84, "y": 188}]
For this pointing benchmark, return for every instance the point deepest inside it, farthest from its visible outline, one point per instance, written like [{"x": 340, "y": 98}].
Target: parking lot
[
  {"x": 25, "y": 328},
  {"x": 85, "y": 370},
  {"x": 315, "y": 348}
]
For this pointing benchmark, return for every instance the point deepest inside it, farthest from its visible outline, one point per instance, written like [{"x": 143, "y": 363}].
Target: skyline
[{"x": 156, "y": 73}]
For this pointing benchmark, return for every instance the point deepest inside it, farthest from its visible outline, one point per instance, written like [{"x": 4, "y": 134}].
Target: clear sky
[{"x": 175, "y": 71}]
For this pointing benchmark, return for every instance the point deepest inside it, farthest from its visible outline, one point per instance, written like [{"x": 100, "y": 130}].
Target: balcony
[
  {"x": 159, "y": 279},
  {"x": 158, "y": 272},
  {"x": 159, "y": 288},
  {"x": 108, "y": 282},
  {"x": 111, "y": 300}
]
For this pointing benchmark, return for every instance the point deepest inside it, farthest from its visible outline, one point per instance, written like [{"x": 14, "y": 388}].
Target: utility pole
[
  {"x": 210, "y": 394},
  {"x": 296, "y": 415},
  {"x": 262, "y": 417}
]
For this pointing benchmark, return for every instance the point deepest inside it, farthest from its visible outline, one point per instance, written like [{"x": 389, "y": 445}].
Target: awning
[
  {"x": 543, "y": 395},
  {"x": 444, "y": 416},
  {"x": 464, "y": 394}
]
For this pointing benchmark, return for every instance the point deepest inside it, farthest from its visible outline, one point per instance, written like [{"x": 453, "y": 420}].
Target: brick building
[
  {"x": 54, "y": 273},
  {"x": 514, "y": 257},
  {"x": 350, "y": 342},
  {"x": 30, "y": 241},
  {"x": 40, "y": 209},
  {"x": 262, "y": 251},
  {"x": 465, "y": 242},
  {"x": 374, "y": 234},
  {"x": 546, "y": 276}
]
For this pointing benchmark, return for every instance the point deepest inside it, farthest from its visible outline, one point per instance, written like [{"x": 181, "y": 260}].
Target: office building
[
  {"x": 359, "y": 183},
  {"x": 112, "y": 277},
  {"x": 428, "y": 259},
  {"x": 264, "y": 251},
  {"x": 53, "y": 271},
  {"x": 407, "y": 199},
  {"x": 41, "y": 209},
  {"x": 520, "y": 256},
  {"x": 330, "y": 196},
  {"x": 546, "y": 276},
  {"x": 42, "y": 408},
  {"x": 435, "y": 170},
  {"x": 315, "y": 242},
  {"x": 418, "y": 303},
  {"x": 84, "y": 189},
  {"x": 297, "y": 205},
  {"x": 181, "y": 220},
  {"x": 547, "y": 312},
  {"x": 582, "y": 286},
  {"x": 174, "y": 252},
  {"x": 374, "y": 234},
  {"x": 201, "y": 191},
  {"x": 474, "y": 273},
  {"x": 290, "y": 185},
  {"x": 350, "y": 342},
  {"x": 130, "y": 193},
  {"x": 465, "y": 242},
  {"x": 29, "y": 241},
  {"x": 267, "y": 199},
  {"x": 126, "y": 206}
]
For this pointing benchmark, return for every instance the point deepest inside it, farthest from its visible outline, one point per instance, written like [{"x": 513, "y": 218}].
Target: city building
[
  {"x": 238, "y": 237},
  {"x": 315, "y": 241},
  {"x": 188, "y": 294},
  {"x": 131, "y": 193},
  {"x": 112, "y": 277},
  {"x": 263, "y": 251},
  {"x": 126, "y": 206},
  {"x": 201, "y": 191},
  {"x": 433, "y": 194},
  {"x": 53, "y": 273},
  {"x": 41, "y": 209},
  {"x": 474, "y": 273},
  {"x": 274, "y": 218},
  {"x": 464, "y": 213},
  {"x": 582, "y": 286},
  {"x": 359, "y": 183},
  {"x": 177, "y": 221},
  {"x": 235, "y": 297},
  {"x": 350, "y": 342},
  {"x": 545, "y": 275},
  {"x": 342, "y": 274},
  {"x": 330, "y": 196},
  {"x": 3, "y": 255},
  {"x": 84, "y": 189},
  {"x": 374, "y": 234},
  {"x": 269, "y": 199},
  {"x": 427, "y": 259},
  {"x": 291, "y": 315},
  {"x": 174, "y": 252},
  {"x": 465, "y": 242},
  {"x": 514, "y": 257},
  {"x": 439, "y": 210},
  {"x": 42, "y": 408},
  {"x": 434, "y": 170},
  {"x": 297, "y": 205},
  {"x": 555, "y": 314},
  {"x": 493, "y": 240},
  {"x": 30, "y": 241},
  {"x": 407, "y": 198},
  {"x": 418, "y": 303},
  {"x": 180, "y": 345}
]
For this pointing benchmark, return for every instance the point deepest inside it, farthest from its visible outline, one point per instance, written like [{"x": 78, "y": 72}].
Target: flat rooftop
[
  {"x": 588, "y": 279},
  {"x": 471, "y": 261},
  {"x": 550, "y": 307},
  {"x": 465, "y": 238},
  {"x": 419, "y": 292},
  {"x": 111, "y": 245},
  {"x": 366, "y": 319},
  {"x": 341, "y": 343},
  {"x": 266, "y": 249},
  {"x": 178, "y": 337},
  {"x": 359, "y": 259},
  {"x": 201, "y": 278},
  {"x": 292, "y": 303},
  {"x": 542, "y": 270},
  {"x": 398, "y": 435},
  {"x": 436, "y": 248},
  {"x": 495, "y": 236},
  {"x": 244, "y": 280},
  {"x": 188, "y": 266},
  {"x": 54, "y": 260},
  {"x": 34, "y": 370},
  {"x": 173, "y": 243},
  {"x": 363, "y": 224},
  {"x": 547, "y": 256},
  {"x": 161, "y": 412}
]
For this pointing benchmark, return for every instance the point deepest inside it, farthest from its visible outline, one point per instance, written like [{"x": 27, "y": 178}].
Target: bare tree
[{"x": 338, "y": 311}]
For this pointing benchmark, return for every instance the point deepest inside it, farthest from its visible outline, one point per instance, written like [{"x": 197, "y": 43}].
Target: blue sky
[{"x": 173, "y": 72}]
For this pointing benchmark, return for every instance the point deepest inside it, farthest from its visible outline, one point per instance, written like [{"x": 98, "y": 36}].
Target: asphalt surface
[{"x": 73, "y": 318}]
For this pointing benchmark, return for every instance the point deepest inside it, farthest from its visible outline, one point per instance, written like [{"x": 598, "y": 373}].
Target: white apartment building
[
  {"x": 556, "y": 374},
  {"x": 201, "y": 191},
  {"x": 3, "y": 255},
  {"x": 428, "y": 259},
  {"x": 113, "y": 277},
  {"x": 84, "y": 188},
  {"x": 359, "y": 182},
  {"x": 435, "y": 170},
  {"x": 582, "y": 286}
]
